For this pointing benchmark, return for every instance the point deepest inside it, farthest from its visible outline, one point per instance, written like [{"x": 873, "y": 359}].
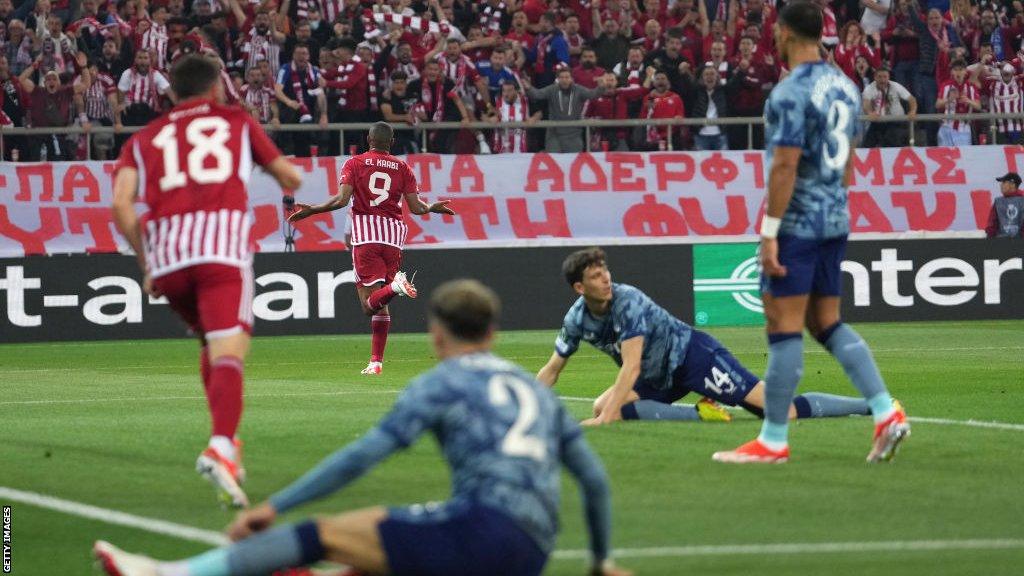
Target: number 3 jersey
[
  {"x": 815, "y": 109},
  {"x": 194, "y": 165},
  {"x": 633, "y": 313},
  {"x": 379, "y": 182}
]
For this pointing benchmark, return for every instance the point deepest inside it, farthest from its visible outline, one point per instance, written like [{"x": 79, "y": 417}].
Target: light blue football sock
[
  {"x": 654, "y": 410},
  {"x": 261, "y": 554},
  {"x": 853, "y": 354},
  {"x": 785, "y": 367},
  {"x": 819, "y": 405}
]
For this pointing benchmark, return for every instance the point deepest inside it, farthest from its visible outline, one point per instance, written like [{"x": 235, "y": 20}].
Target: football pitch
[{"x": 118, "y": 425}]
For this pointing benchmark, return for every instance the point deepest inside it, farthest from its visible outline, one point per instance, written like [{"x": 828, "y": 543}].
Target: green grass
[{"x": 123, "y": 422}]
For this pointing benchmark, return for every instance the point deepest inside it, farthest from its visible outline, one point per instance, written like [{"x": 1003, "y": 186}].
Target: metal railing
[{"x": 425, "y": 128}]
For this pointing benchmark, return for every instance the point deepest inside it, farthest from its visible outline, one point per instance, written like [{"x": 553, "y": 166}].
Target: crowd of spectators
[{"x": 100, "y": 62}]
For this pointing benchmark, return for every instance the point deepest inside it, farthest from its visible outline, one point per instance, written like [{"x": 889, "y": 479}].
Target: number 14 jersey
[
  {"x": 815, "y": 109},
  {"x": 194, "y": 165},
  {"x": 379, "y": 182}
]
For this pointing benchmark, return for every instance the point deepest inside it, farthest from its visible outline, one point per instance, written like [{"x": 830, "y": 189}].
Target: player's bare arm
[
  {"x": 781, "y": 180},
  {"x": 417, "y": 206},
  {"x": 548, "y": 375},
  {"x": 632, "y": 351},
  {"x": 339, "y": 200},
  {"x": 284, "y": 172},
  {"x": 126, "y": 189}
]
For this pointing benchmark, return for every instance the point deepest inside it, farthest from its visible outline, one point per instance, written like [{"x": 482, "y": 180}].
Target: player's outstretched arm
[
  {"x": 332, "y": 474},
  {"x": 284, "y": 172},
  {"x": 339, "y": 200},
  {"x": 548, "y": 375},
  {"x": 632, "y": 351},
  {"x": 586, "y": 467},
  {"x": 418, "y": 206}
]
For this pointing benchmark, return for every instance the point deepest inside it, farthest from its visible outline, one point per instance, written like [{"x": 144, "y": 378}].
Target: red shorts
[
  {"x": 376, "y": 262},
  {"x": 215, "y": 300}
]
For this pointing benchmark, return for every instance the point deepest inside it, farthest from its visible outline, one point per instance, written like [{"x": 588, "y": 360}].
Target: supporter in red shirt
[
  {"x": 350, "y": 79},
  {"x": 519, "y": 33},
  {"x": 612, "y": 105},
  {"x": 50, "y": 106},
  {"x": 854, "y": 43},
  {"x": 750, "y": 82},
  {"x": 651, "y": 38},
  {"x": 588, "y": 72},
  {"x": 901, "y": 43},
  {"x": 661, "y": 103},
  {"x": 575, "y": 40}
]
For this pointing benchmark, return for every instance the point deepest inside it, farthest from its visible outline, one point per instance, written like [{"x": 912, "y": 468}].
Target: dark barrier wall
[
  {"x": 84, "y": 297},
  {"x": 99, "y": 297},
  {"x": 892, "y": 281}
]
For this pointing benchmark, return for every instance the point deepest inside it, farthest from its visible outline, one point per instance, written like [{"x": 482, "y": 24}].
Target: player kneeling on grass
[
  {"x": 661, "y": 357},
  {"x": 377, "y": 182},
  {"x": 193, "y": 244},
  {"x": 505, "y": 437}
]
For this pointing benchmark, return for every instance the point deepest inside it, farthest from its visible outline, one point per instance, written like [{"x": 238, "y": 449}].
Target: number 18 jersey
[
  {"x": 815, "y": 109},
  {"x": 194, "y": 165},
  {"x": 379, "y": 182}
]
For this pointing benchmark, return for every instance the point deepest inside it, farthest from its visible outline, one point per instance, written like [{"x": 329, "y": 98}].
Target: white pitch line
[
  {"x": 164, "y": 398},
  {"x": 802, "y": 548},
  {"x": 212, "y": 538},
  {"x": 115, "y": 517},
  {"x": 941, "y": 421}
]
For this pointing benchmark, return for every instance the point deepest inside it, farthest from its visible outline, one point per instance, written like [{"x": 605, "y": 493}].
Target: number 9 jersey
[
  {"x": 194, "y": 165},
  {"x": 379, "y": 182},
  {"x": 815, "y": 109}
]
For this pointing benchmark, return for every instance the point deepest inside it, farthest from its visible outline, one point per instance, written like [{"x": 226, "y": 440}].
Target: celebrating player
[
  {"x": 661, "y": 357},
  {"x": 505, "y": 437},
  {"x": 193, "y": 244},
  {"x": 378, "y": 181},
  {"x": 811, "y": 126}
]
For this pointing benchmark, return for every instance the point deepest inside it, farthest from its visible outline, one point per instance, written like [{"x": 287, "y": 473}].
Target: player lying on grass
[
  {"x": 661, "y": 358},
  {"x": 505, "y": 437},
  {"x": 811, "y": 129}
]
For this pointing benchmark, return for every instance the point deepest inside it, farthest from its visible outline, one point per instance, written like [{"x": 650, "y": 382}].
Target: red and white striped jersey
[
  {"x": 379, "y": 182},
  {"x": 194, "y": 164},
  {"x": 154, "y": 40},
  {"x": 143, "y": 88},
  {"x": 97, "y": 107},
  {"x": 260, "y": 98},
  {"x": 261, "y": 47},
  {"x": 511, "y": 140},
  {"x": 1005, "y": 98},
  {"x": 966, "y": 90}
]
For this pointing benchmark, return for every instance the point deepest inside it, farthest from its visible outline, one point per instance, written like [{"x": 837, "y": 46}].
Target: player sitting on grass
[
  {"x": 661, "y": 357},
  {"x": 505, "y": 437}
]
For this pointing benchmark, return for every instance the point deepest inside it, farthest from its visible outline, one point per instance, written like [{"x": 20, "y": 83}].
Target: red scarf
[
  {"x": 297, "y": 87},
  {"x": 542, "y": 52},
  {"x": 438, "y": 98}
]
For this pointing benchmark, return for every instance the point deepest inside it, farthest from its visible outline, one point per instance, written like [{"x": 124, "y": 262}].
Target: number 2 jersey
[
  {"x": 633, "y": 313},
  {"x": 815, "y": 108},
  {"x": 194, "y": 165},
  {"x": 504, "y": 436},
  {"x": 379, "y": 182}
]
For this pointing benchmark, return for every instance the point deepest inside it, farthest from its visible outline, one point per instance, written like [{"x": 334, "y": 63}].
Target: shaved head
[{"x": 381, "y": 136}]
